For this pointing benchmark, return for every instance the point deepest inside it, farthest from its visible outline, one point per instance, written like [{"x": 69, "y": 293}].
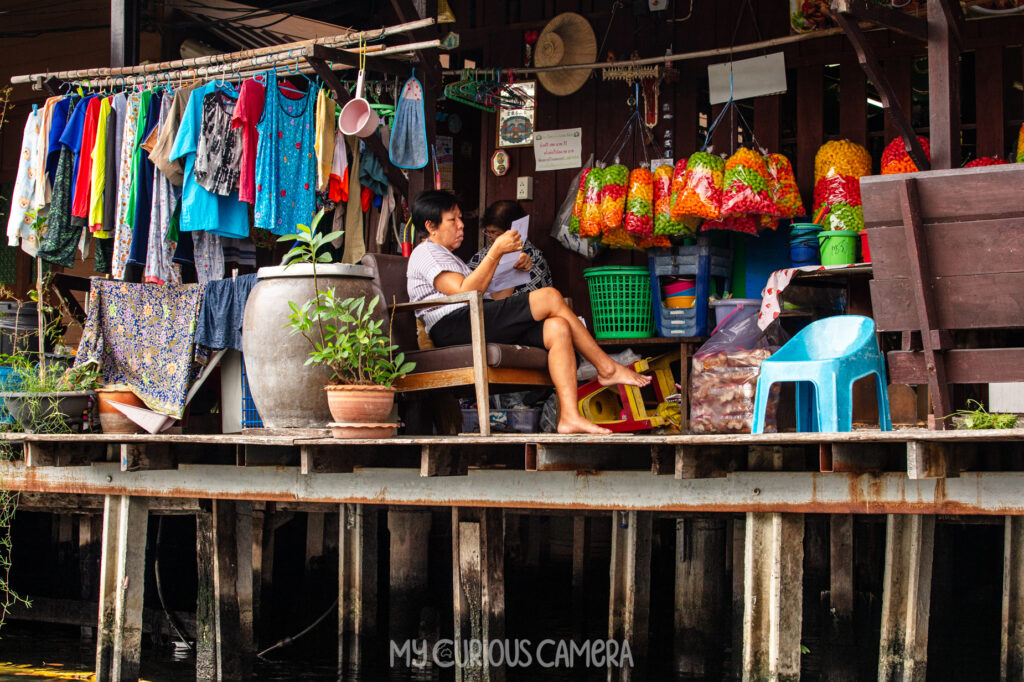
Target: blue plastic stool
[{"x": 825, "y": 358}]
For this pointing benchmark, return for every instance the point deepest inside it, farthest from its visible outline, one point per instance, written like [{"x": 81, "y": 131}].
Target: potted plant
[
  {"x": 347, "y": 336},
  {"x": 50, "y": 399}
]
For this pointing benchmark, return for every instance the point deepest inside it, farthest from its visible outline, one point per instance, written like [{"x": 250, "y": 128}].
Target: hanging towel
[
  {"x": 408, "y": 148},
  {"x": 337, "y": 187},
  {"x": 143, "y": 335},
  {"x": 355, "y": 246},
  {"x": 220, "y": 320}
]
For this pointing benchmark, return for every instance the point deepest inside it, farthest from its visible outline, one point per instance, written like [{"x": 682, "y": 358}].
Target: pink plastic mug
[{"x": 357, "y": 117}]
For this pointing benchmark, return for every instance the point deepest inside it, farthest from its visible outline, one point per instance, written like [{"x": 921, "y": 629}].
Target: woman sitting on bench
[{"x": 540, "y": 318}]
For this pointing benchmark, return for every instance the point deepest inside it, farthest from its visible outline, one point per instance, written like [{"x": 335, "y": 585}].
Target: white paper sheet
[{"x": 505, "y": 275}]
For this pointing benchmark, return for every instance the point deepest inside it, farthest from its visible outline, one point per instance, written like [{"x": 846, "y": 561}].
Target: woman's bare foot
[
  {"x": 622, "y": 375},
  {"x": 577, "y": 424}
]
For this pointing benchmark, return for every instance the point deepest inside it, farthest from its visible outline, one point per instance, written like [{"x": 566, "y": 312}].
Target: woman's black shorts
[{"x": 506, "y": 321}]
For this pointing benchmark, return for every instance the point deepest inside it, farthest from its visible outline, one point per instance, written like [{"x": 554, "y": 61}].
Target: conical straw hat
[{"x": 567, "y": 39}]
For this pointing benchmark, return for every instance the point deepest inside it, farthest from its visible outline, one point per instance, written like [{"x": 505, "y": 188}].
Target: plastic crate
[
  {"x": 702, "y": 261},
  {"x": 520, "y": 420},
  {"x": 250, "y": 417},
  {"x": 620, "y": 301}
]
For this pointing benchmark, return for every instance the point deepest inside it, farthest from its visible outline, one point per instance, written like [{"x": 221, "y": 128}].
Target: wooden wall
[{"x": 796, "y": 123}]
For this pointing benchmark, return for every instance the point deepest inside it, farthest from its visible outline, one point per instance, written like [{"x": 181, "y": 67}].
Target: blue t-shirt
[
  {"x": 58, "y": 123},
  {"x": 201, "y": 209},
  {"x": 72, "y": 136}
]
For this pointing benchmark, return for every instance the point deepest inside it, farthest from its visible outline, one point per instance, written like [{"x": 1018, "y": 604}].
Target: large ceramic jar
[{"x": 287, "y": 392}]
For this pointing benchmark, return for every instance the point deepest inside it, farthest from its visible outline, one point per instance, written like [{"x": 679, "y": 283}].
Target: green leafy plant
[
  {"x": 979, "y": 418},
  {"x": 343, "y": 333}
]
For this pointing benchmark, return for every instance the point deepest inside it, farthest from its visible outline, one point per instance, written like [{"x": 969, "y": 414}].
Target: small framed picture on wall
[{"x": 516, "y": 124}]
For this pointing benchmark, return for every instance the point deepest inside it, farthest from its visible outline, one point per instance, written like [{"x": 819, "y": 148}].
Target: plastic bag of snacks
[
  {"x": 655, "y": 242},
  {"x": 747, "y": 185},
  {"x": 640, "y": 203},
  {"x": 617, "y": 238},
  {"x": 577, "y": 207},
  {"x": 663, "y": 223},
  {"x": 985, "y": 161},
  {"x": 842, "y": 157},
  {"x": 741, "y": 222},
  {"x": 678, "y": 185},
  {"x": 843, "y": 216},
  {"x": 725, "y": 371},
  {"x": 834, "y": 188},
  {"x": 701, "y": 196},
  {"x": 783, "y": 186},
  {"x": 768, "y": 222},
  {"x": 591, "y": 219},
  {"x": 1020, "y": 144},
  {"x": 613, "y": 195},
  {"x": 896, "y": 158}
]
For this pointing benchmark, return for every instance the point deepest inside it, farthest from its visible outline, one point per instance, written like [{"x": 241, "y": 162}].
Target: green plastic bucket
[
  {"x": 620, "y": 301},
  {"x": 838, "y": 247}
]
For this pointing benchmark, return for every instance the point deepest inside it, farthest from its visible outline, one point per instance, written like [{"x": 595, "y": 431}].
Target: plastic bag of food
[
  {"x": 896, "y": 157},
  {"x": 747, "y": 187},
  {"x": 841, "y": 157},
  {"x": 834, "y": 189},
  {"x": 985, "y": 161},
  {"x": 724, "y": 379},
  {"x": 577, "y": 207},
  {"x": 663, "y": 223},
  {"x": 784, "y": 188},
  {"x": 613, "y": 195},
  {"x": 591, "y": 219},
  {"x": 1020, "y": 144},
  {"x": 640, "y": 203},
  {"x": 742, "y": 222},
  {"x": 701, "y": 196},
  {"x": 617, "y": 238},
  {"x": 843, "y": 216}
]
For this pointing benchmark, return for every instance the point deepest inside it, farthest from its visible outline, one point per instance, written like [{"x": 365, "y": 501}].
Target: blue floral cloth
[{"x": 143, "y": 335}]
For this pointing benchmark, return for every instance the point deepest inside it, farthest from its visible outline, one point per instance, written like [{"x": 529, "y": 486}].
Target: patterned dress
[
  {"x": 160, "y": 250},
  {"x": 123, "y": 231},
  {"x": 285, "y": 161}
]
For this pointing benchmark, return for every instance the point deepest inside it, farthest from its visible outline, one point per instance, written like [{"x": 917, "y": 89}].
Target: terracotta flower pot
[
  {"x": 111, "y": 419},
  {"x": 356, "y": 404}
]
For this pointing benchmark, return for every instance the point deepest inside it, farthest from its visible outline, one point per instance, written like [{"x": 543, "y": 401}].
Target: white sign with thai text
[{"x": 558, "y": 149}]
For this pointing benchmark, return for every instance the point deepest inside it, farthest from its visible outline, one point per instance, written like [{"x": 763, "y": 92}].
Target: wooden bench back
[{"x": 973, "y": 222}]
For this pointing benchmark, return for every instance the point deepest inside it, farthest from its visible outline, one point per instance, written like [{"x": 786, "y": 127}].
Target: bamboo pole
[
  {"x": 233, "y": 58},
  {"x": 40, "y": 319}
]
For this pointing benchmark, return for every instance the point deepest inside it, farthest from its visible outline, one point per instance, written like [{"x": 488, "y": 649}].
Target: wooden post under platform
[
  {"x": 90, "y": 535},
  {"x": 357, "y": 583},
  {"x": 842, "y": 664},
  {"x": 478, "y": 583},
  {"x": 629, "y": 607},
  {"x": 122, "y": 579},
  {"x": 1011, "y": 659},
  {"x": 906, "y": 597},
  {"x": 409, "y": 569}
]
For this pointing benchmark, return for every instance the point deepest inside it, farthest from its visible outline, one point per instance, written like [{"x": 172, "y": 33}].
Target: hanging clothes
[
  {"x": 140, "y": 213},
  {"x": 99, "y": 173},
  {"x": 160, "y": 155},
  {"x": 72, "y": 135},
  {"x": 247, "y": 114},
  {"x": 143, "y": 335},
  {"x": 408, "y": 148},
  {"x": 58, "y": 122},
  {"x": 285, "y": 162},
  {"x": 43, "y": 189},
  {"x": 371, "y": 171},
  {"x": 57, "y": 244},
  {"x": 30, "y": 172},
  {"x": 355, "y": 245},
  {"x": 82, "y": 194},
  {"x": 337, "y": 186},
  {"x": 220, "y": 319},
  {"x": 325, "y": 139},
  {"x": 159, "y": 249},
  {"x": 123, "y": 230},
  {"x": 104, "y": 251},
  {"x": 208, "y": 256},
  {"x": 240, "y": 251},
  {"x": 219, "y": 150},
  {"x": 202, "y": 210}
]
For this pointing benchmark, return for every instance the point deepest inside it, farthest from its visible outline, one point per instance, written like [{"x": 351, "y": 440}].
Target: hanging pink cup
[{"x": 357, "y": 117}]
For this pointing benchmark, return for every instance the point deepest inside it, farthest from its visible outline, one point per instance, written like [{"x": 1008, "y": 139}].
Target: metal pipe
[{"x": 237, "y": 59}]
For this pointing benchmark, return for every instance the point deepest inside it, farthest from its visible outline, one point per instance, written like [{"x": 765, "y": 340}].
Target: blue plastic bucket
[{"x": 803, "y": 244}]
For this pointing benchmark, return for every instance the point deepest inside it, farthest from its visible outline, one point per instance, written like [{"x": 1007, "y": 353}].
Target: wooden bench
[{"x": 948, "y": 254}]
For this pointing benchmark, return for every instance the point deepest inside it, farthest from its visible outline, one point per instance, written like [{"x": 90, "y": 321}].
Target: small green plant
[
  {"x": 979, "y": 418},
  {"x": 343, "y": 333}
]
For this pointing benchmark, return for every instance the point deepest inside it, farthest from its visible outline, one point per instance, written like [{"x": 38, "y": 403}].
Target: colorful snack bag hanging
[
  {"x": 676, "y": 189},
  {"x": 702, "y": 194},
  {"x": 835, "y": 188},
  {"x": 784, "y": 187},
  {"x": 617, "y": 238},
  {"x": 640, "y": 203},
  {"x": 577, "y": 207},
  {"x": 663, "y": 222},
  {"x": 842, "y": 157},
  {"x": 896, "y": 157},
  {"x": 591, "y": 220},
  {"x": 613, "y": 195},
  {"x": 742, "y": 222},
  {"x": 985, "y": 161},
  {"x": 1020, "y": 144},
  {"x": 746, "y": 185},
  {"x": 843, "y": 216}
]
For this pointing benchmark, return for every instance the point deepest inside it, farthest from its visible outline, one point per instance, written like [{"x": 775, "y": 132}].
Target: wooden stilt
[
  {"x": 244, "y": 578},
  {"x": 357, "y": 584},
  {"x": 699, "y": 595},
  {"x": 581, "y": 539},
  {"x": 842, "y": 665},
  {"x": 738, "y": 548},
  {"x": 122, "y": 579},
  {"x": 206, "y": 619},
  {"x": 90, "y": 533},
  {"x": 772, "y": 596},
  {"x": 1011, "y": 660},
  {"x": 314, "y": 567},
  {"x": 233, "y": 663},
  {"x": 478, "y": 582},
  {"x": 409, "y": 572},
  {"x": 906, "y": 597},
  {"x": 629, "y": 600},
  {"x": 258, "y": 526}
]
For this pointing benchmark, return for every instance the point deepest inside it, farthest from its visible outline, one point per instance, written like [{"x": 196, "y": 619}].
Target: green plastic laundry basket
[{"x": 620, "y": 300}]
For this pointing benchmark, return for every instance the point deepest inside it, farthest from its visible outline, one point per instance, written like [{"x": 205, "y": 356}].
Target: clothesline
[{"x": 243, "y": 58}]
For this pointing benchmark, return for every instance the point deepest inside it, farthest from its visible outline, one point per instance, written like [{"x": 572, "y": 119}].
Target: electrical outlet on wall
[{"x": 524, "y": 189}]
